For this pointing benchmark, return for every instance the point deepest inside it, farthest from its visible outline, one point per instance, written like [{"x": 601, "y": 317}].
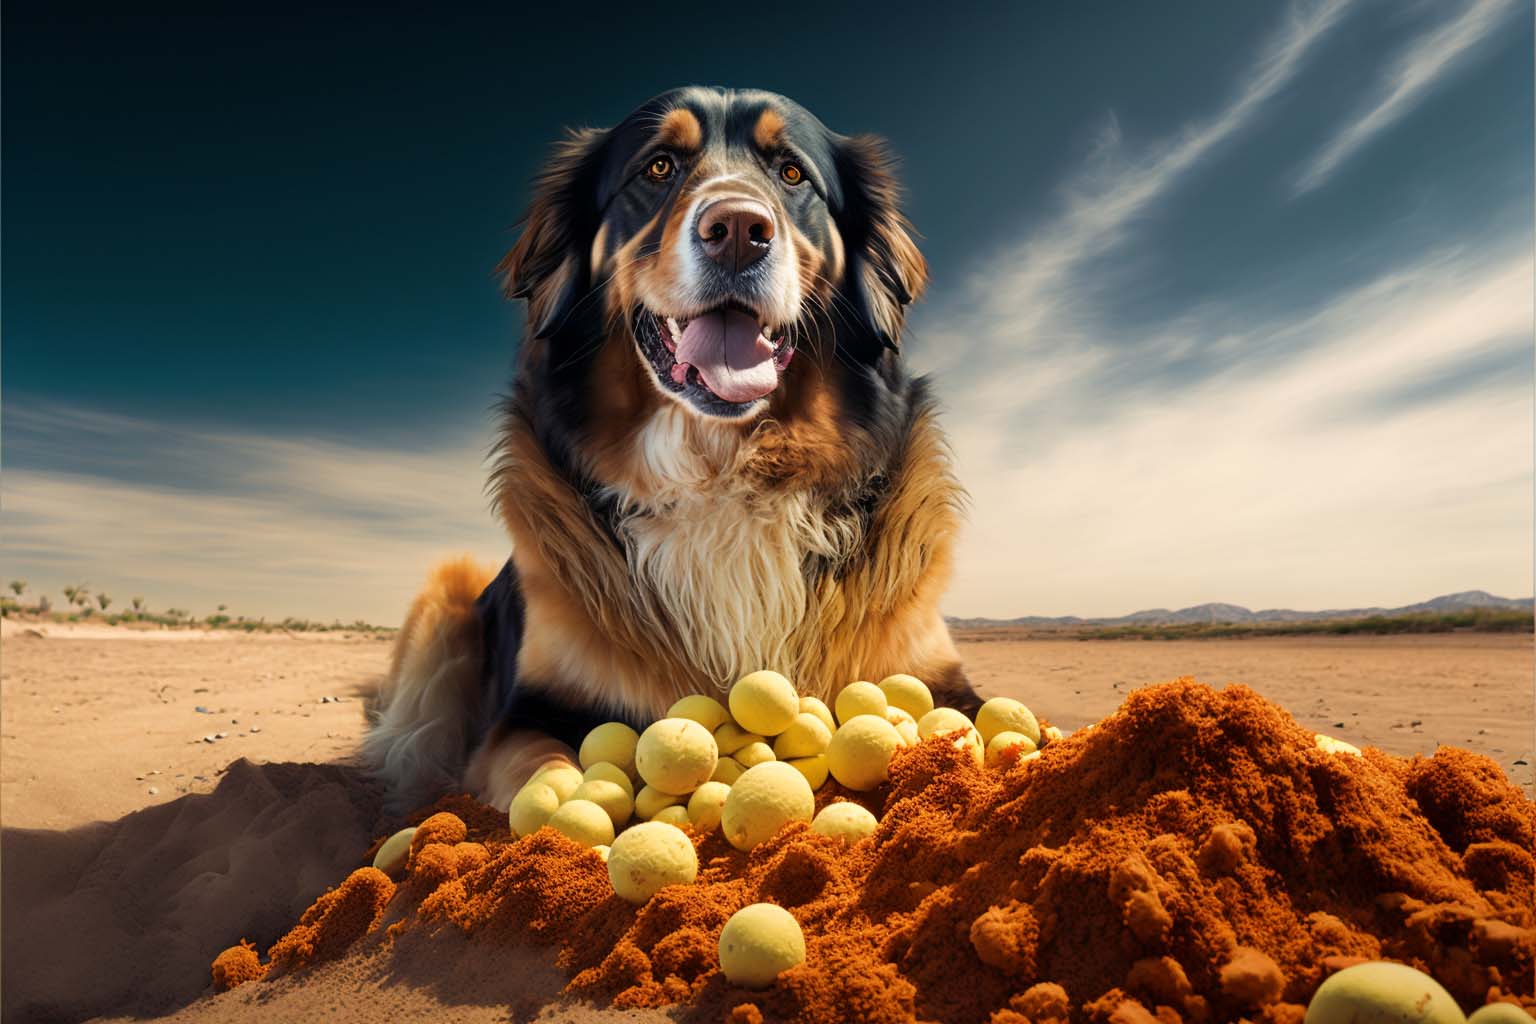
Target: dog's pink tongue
[{"x": 731, "y": 354}]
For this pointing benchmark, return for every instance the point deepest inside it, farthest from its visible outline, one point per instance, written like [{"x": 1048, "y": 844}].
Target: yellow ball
[
  {"x": 532, "y": 807},
  {"x": 1329, "y": 745},
  {"x": 814, "y": 706},
  {"x": 707, "y": 804},
  {"x": 707, "y": 711},
  {"x": 562, "y": 778},
  {"x": 1004, "y": 740},
  {"x": 613, "y": 742},
  {"x": 753, "y": 754},
  {"x": 844, "y": 820},
  {"x": 648, "y": 856},
  {"x": 676, "y": 755},
  {"x": 1006, "y": 714},
  {"x": 908, "y": 693},
  {"x": 1499, "y": 1013},
  {"x": 806, "y": 736},
  {"x": 860, "y": 699},
  {"x": 584, "y": 822},
  {"x": 758, "y": 943},
  {"x": 942, "y": 720},
  {"x": 970, "y": 742},
  {"x": 764, "y": 702},
  {"x": 764, "y": 800},
  {"x": 813, "y": 768},
  {"x": 606, "y": 771},
  {"x": 392, "y": 855},
  {"x": 731, "y": 737},
  {"x": 602, "y": 851},
  {"x": 649, "y": 802},
  {"x": 906, "y": 725},
  {"x": 1382, "y": 993},
  {"x": 1050, "y": 734},
  {"x": 610, "y": 796},
  {"x": 860, "y": 753},
  {"x": 728, "y": 770},
  {"x": 675, "y": 815}
]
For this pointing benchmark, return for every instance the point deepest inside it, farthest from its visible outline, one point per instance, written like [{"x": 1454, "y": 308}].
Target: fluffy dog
[{"x": 711, "y": 460}]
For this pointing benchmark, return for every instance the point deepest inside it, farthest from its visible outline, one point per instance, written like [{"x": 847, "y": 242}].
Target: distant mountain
[{"x": 1233, "y": 613}]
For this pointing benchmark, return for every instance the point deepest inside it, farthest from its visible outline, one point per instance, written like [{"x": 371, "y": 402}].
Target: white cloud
[
  {"x": 1430, "y": 58},
  {"x": 279, "y": 528}
]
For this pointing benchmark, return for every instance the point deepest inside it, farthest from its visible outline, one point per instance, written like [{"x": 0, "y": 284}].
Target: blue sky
[{"x": 1230, "y": 301}]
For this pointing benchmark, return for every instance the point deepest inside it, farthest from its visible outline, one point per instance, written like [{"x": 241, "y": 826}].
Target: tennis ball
[
  {"x": 1329, "y": 745},
  {"x": 1005, "y": 713},
  {"x": 806, "y": 736},
  {"x": 764, "y": 800},
  {"x": 675, "y": 755},
  {"x": 860, "y": 752},
  {"x": 648, "y": 802},
  {"x": 584, "y": 822},
  {"x": 562, "y": 778},
  {"x": 942, "y": 720},
  {"x": 764, "y": 702},
  {"x": 908, "y": 693},
  {"x": 906, "y": 725},
  {"x": 1382, "y": 993},
  {"x": 613, "y": 742},
  {"x": 648, "y": 856},
  {"x": 707, "y": 804},
  {"x": 707, "y": 711},
  {"x": 610, "y": 796},
  {"x": 813, "y": 768},
  {"x": 532, "y": 807},
  {"x": 970, "y": 742},
  {"x": 758, "y": 943},
  {"x": 1499, "y": 1013},
  {"x": 860, "y": 699},
  {"x": 606, "y": 771},
  {"x": 727, "y": 770},
  {"x": 676, "y": 815},
  {"x": 1006, "y": 739},
  {"x": 814, "y": 706},
  {"x": 602, "y": 851},
  {"x": 1050, "y": 734},
  {"x": 392, "y": 855},
  {"x": 731, "y": 737},
  {"x": 846, "y": 821},
  {"x": 753, "y": 754}
]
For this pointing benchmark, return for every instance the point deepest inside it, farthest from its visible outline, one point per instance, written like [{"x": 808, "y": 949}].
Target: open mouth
[{"x": 723, "y": 361}]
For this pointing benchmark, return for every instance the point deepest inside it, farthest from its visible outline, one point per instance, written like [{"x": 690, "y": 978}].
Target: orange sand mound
[{"x": 1193, "y": 858}]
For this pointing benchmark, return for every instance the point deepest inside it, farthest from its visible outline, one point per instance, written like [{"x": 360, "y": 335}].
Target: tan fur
[
  {"x": 433, "y": 686},
  {"x": 680, "y": 129},
  {"x": 768, "y": 130}
]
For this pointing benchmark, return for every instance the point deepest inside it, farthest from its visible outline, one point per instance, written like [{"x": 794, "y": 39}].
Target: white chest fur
[{"x": 719, "y": 563}]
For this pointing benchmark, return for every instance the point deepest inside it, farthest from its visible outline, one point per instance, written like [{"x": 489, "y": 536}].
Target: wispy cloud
[
  {"x": 1355, "y": 448},
  {"x": 1107, "y": 198},
  {"x": 271, "y": 526},
  {"x": 1427, "y": 61}
]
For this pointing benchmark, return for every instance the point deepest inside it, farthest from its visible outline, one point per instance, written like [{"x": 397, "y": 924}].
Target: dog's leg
[
  {"x": 507, "y": 759},
  {"x": 426, "y": 708}
]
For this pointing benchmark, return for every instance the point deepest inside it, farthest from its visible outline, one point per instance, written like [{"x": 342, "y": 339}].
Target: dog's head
[{"x": 720, "y": 237}]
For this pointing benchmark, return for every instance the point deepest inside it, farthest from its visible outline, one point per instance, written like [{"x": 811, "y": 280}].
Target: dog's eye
[
  {"x": 661, "y": 168},
  {"x": 792, "y": 173}
]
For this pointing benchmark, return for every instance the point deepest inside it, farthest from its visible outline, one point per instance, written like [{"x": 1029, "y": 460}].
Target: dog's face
[{"x": 719, "y": 236}]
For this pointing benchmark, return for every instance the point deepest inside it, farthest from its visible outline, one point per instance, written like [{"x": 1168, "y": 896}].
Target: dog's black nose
[{"x": 736, "y": 233}]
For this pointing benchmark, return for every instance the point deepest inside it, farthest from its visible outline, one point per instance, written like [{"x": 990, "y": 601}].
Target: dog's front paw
[{"x": 507, "y": 760}]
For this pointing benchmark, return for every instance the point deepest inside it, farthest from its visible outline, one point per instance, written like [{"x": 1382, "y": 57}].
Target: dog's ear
[
  {"x": 885, "y": 271},
  {"x": 548, "y": 265}
]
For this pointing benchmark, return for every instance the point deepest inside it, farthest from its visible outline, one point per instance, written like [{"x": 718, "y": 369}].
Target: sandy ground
[{"x": 135, "y": 848}]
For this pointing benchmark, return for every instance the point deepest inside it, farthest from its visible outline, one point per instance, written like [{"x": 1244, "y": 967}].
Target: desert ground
[{"x": 164, "y": 794}]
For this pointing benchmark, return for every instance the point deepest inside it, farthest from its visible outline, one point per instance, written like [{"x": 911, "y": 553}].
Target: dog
[{"x": 711, "y": 460}]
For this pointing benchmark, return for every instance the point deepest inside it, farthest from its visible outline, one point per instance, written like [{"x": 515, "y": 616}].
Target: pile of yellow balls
[{"x": 748, "y": 767}]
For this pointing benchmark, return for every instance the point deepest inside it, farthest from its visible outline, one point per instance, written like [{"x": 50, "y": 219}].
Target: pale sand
[{"x": 116, "y": 899}]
